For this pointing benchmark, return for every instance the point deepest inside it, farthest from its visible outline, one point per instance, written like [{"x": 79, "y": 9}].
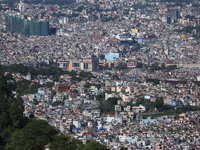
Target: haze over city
[{"x": 100, "y": 74}]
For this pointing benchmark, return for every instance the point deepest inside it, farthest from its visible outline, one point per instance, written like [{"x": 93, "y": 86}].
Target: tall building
[
  {"x": 87, "y": 64},
  {"x": 26, "y": 27},
  {"x": 126, "y": 39},
  {"x": 21, "y": 6},
  {"x": 169, "y": 20},
  {"x": 175, "y": 14},
  {"x": 63, "y": 20}
]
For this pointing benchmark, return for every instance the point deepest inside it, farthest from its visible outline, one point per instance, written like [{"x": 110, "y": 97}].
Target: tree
[
  {"x": 4, "y": 103},
  {"x": 163, "y": 66},
  {"x": 114, "y": 8},
  {"x": 140, "y": 101},
  {"x": 150, "y": 106},
  {"x": 54, "y": 71},
  {"x": 35, "y": 135},
  {"x": 31, "y": 89},
  {"x": 121, "y": 66},
  {"x": 74, "y": 15},
  {"x": 87, "y": 75},
  {"x": 87, "y": 85},
  {"x": 100, "y": 97},
  {"x": 16, "y": 112},
  {"x": 80, "y": 8},
  {"x": 9, "y": 76},
  {"x": 72, "y": 73},
  {"x": 49, "y": 84},
  {"x": 75, "y": 91},
  {"x": 95, "y": 16},
  {"x": 159, "y": 103},
  {"x": 138, "y": 25},
  {"x": 22, "y": 85},
  {"x": 4, "y": 92},
  {"x": 97, "y": 85},
  {"x": 18, "y": 68},
  {"x": 3, "y": 68},
  {"x": 152, "y": 36},
  {"x": 155, "y": 81},
  {"x": 183, "y": 109},
  {"x": 139, "y": 65},
  {"x": 65, "y": 142},
  {"x": 19, "y": 133},
  {"x": 115, "y": 77},
  {"x": 16, "y": 141},
  {"x": 58, "y": 103},
  {"x": 11, "y": 86},
  {"x": 122, "y": 148},
  {"x": 93, "y": 145},
  {"x": 171, "y": 67},
  {"x": 155, "y": 66},
  {"x": 109, "y": 104}
]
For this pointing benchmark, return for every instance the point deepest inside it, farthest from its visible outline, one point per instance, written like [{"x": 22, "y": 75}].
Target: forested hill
[{"x": 20, "y": 133}]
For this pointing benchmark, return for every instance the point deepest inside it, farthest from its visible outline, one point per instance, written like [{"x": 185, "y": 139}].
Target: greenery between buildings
[
  {"x": 21, "y": 133},
  {"x": 26, "y": 87}
]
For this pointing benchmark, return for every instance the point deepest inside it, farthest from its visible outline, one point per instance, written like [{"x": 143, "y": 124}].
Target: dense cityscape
[{"x": 124, "y": 74}]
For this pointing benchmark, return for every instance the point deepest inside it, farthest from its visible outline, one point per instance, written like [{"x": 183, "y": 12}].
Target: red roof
[{"x": 91, "y": 58}]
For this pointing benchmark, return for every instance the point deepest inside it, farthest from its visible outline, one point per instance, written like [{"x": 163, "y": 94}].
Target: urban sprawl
[{"x": 137, "y": 83}]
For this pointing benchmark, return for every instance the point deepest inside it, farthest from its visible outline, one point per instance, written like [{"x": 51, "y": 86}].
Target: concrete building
[{"x": 87, "y": 64}]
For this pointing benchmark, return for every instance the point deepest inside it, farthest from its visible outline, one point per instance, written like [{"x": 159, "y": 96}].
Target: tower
[{"x": 21, "y": 6}]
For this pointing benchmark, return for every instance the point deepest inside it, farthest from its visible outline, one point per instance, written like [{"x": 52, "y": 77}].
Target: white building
[
  {"x": 21, "y": 6},
  {"x": 137, "y": 109}
]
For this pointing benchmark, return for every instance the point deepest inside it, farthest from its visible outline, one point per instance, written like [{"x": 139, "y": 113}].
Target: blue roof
[
  {"x": 103, "y": 129},
  {"x": 149, "y": 120},
  {"x": 74, "y": 128},
  {"x": 51, "y": 123},
  {"x": 97, "y": 130}
]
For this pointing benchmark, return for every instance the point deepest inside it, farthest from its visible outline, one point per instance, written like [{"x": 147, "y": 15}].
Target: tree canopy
[
  {"x": 93, "y": 145},
  {"x": 20, "y": 133}
]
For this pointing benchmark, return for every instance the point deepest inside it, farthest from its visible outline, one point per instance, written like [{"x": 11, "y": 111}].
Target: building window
[
  {"x": 65, "y": 64},
  {"x": 85, "y": 65},
  {"x": 75, "y": 65}
]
